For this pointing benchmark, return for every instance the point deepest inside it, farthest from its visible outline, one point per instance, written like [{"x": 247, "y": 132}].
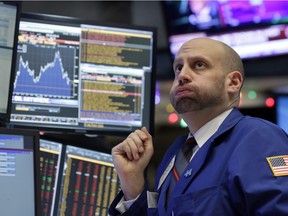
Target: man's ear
[{"x": 235, "y": 81}]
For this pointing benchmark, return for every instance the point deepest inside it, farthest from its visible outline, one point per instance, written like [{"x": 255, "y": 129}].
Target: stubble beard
[
  {"x": 199, "y": 101},
  {"x": 185, "y": 105}
]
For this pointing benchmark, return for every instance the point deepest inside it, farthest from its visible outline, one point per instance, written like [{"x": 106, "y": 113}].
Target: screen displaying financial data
[
  {"x": 19, "y": 184},
  {"x": 75, "y": 181},
  {"x": 9, "y": 19},
  {"x": 82, "y": 77}
]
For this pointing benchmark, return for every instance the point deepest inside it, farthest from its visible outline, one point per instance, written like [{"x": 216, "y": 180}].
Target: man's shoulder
[
  {"x": 247, "y": 127},
  {"x": 250, "y": 121}
]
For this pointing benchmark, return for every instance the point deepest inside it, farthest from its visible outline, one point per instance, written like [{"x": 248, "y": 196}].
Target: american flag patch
[{"x": 279, "y": 165}]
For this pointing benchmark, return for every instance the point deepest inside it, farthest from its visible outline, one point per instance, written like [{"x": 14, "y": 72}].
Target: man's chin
[
  {"x": 185, "y": 105},
  {"x": 184, "y": 110}
]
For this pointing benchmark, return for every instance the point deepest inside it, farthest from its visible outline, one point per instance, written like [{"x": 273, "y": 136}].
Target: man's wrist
[
  {"x": 124, "y": 205},
  {"x": 132, "y": 188}
]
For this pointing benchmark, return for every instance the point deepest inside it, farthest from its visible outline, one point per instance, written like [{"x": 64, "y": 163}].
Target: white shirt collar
[{"x": 207, "y": 130}]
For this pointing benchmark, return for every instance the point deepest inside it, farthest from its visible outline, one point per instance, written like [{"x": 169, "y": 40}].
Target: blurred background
[{"x": 266, "y": 76}]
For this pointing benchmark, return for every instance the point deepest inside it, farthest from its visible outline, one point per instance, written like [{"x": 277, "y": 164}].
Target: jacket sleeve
[
  {"x": 253, "y": 187},
  {"x": 139, "y": 207}
]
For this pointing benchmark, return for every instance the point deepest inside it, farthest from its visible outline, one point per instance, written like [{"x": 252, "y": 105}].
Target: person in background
[{"x": 239, "y": 164}]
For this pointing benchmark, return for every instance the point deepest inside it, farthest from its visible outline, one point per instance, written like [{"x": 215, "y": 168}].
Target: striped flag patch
[{"x": 279, "y": 165}]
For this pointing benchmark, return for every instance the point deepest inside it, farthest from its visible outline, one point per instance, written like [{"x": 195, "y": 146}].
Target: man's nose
[{"x": 184, "y": 75}]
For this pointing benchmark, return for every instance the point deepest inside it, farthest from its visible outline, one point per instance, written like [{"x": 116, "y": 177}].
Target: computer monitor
[
  {"x": 282, "y": 111},
  {"x": 9, "y": 21},
  {"x": 50, "y": 157},
  {"x": 83, "y": 77},
  {"x": 19, "y": 172},
  {"x": 75, "y": 180}
]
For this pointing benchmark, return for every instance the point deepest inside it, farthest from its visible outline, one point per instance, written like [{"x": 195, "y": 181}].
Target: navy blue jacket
[{"x": 228, "y": 176}]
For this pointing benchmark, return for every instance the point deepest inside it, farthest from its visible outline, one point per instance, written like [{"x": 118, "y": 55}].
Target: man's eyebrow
[
  {"x": 176, "y": 61},
  {"x": 191, "y": 58},
  {"x": 197, "y": 58}
]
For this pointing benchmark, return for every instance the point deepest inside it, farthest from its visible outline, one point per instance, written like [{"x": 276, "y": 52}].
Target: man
[{"x": 241, "y": 163}]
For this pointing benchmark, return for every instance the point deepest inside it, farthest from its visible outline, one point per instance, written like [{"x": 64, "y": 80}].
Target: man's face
[{"x": 199, "y": 77}]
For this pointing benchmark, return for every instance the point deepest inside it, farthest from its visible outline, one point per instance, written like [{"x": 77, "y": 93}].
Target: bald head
[{"x": 232, "y": 59}]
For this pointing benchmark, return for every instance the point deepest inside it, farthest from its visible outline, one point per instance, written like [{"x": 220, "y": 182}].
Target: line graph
[{"x": 41, "y": 71}]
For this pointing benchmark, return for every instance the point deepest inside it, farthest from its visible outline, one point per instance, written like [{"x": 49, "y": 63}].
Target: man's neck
[{"x": 195, "y": 120}]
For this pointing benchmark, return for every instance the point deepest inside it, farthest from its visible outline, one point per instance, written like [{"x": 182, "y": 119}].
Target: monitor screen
[
  {"x": 253, "y": 28},
  {"x": 76, "y": 181},
  {"x": 282, "y": 111},
  {"x": 19, "y": 172},
  {"x": 50, "y": 153},
  {"x": 9, "y": 21},
  {"x": 83, "y": 77}
]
